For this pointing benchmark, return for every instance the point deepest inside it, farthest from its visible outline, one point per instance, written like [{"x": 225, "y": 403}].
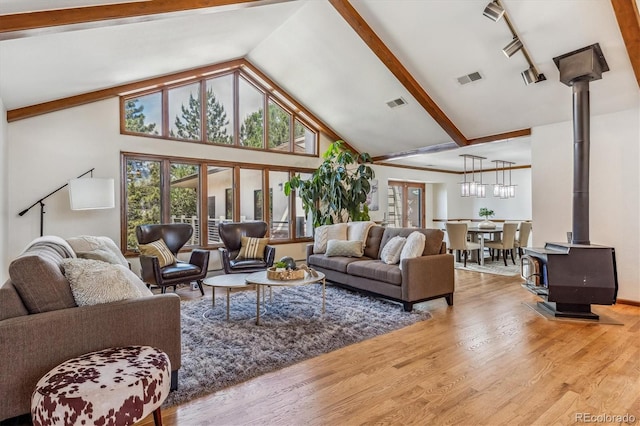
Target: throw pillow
[
  {"x": 94, "y": 282},
  {"x": 98, "y": 248},
  {"x": 37, "y": 277},
  {"x": 344, "y": 248},
  {"x": 391, "y": 251},
  {"x": 413, "y": 247},
  {"x": 325, "y": 233},
  {"x": 252, "y": 248},
  {"x": 358, "y": 231},
  {"x": 98, "y": 254},
  {"x": 160, "y": 250}
]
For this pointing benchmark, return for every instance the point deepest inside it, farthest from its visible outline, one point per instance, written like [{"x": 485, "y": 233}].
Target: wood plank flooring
[{"x": 488, "y": 360}]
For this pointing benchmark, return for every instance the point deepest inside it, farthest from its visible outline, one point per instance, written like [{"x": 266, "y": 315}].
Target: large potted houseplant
[
  {"x": 337, "y": 191},
  {"x": 486, "y": 223}
]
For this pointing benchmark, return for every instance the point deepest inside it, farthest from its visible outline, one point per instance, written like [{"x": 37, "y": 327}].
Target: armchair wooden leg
[
  {"x": 512, "y": 259},
  {"x": 200, "y": 285},
  {"x": 504, "y": 256}
]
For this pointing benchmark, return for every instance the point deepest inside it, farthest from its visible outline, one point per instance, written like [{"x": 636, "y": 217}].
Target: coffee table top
[
  {"x": 227, "y": 280},
  {"x": 261, "y": 279}
]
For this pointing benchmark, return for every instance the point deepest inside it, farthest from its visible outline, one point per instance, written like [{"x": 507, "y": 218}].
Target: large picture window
[
  {"x": 160, "y": 189},
  {"x": 225, "y": 108}
]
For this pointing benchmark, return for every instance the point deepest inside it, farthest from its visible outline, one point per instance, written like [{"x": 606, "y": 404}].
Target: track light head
[
  {"x": 530, "y": 75},
  {"x": 512, "y": 47},
  {"x": 493, "y": 11}
]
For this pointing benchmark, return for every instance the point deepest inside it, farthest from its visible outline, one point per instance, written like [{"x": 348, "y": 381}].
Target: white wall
[
  {"x": 4, "y": 195},
  {"x": 614, "y": 189}
]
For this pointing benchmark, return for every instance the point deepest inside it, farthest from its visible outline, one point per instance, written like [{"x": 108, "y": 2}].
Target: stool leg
[{"x": 157, "y": 417}]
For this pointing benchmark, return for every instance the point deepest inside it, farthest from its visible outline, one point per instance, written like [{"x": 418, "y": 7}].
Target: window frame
[
  {"x": 252, "y": 77},
  {"x": 203, "y": 165}
]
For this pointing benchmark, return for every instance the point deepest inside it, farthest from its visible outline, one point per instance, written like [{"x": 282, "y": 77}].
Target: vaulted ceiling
[{"x": 344, "y": 60}]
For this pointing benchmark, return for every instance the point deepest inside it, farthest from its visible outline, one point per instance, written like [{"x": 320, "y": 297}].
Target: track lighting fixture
[{"x": 493, "y": 11}]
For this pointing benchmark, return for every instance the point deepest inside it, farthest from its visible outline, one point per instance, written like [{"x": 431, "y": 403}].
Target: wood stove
[{"x": 571, "y": 277}]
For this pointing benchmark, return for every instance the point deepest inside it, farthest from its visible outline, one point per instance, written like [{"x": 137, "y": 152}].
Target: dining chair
[
  {"x": 457, "y": 234},
  {"x": 523, "y": 236},
  {"x": 505, "y": 243}
]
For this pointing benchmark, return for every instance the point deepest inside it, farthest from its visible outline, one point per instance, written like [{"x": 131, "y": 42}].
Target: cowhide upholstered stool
[{"x": 115, "y": 386}]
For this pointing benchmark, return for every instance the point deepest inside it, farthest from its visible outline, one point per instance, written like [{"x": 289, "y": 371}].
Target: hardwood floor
[{"x": 488, "y": 360}]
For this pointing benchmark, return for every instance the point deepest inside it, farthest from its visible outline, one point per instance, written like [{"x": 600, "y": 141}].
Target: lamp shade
[{"x": 91, "y": 193}]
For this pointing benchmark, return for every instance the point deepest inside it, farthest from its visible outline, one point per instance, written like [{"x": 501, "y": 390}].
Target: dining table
[{"x": 478, "y": 234}]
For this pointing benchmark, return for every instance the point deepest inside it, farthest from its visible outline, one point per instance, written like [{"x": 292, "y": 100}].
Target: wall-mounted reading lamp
[{"x": 84, "y": 194}]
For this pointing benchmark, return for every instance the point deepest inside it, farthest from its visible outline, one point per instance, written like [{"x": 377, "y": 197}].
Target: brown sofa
[
  {"x": 425, "y": 277},
  {"x": 41, "y": 326}
]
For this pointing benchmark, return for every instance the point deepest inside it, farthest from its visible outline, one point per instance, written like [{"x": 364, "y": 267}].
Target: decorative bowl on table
[{"x": 281, "y": 274}]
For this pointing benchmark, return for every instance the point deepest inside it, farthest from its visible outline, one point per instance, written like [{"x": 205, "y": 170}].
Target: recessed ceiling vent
[
  {"x": 465, "y": 79},
  {"x": 396, "y": 103}
]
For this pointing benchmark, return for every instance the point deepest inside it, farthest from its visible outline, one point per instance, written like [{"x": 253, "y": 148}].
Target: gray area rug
[
  {"x": 217, "y": 353},
  {"x": 489, "y": 267}
]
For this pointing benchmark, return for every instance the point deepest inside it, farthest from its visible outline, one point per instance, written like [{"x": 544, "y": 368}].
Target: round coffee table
[
  {"x": 227, "y": 281},
  {"x": 260, "y": 279}
]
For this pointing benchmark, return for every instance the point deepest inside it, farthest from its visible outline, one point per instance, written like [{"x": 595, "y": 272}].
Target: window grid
[{"x": 269, "y": 97}]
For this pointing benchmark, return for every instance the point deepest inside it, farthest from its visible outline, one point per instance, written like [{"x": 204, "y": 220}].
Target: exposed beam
[
  {"x": 450, "y": 145},
  {"x": 629, "y": 22},
  {"x": 360, "y": 26},
  {"x": 23, "y": 24},
  {"x": 501, "y": 136},
  {"x": 85, "y": 98},
  {"x": 426, "y": 150}
]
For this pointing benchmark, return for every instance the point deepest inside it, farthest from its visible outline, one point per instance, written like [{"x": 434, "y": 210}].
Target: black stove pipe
[
  {"x": 581, "y": 148},
  {"x": 577, "y": 69}
]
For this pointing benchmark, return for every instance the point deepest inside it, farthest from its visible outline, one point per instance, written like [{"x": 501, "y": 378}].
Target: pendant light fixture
[{"x": 473, "y": 187}]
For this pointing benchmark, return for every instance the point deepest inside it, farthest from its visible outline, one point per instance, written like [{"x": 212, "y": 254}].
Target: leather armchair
[
  {"x": 231, "y": 234},
  {"x": 175, "y": 236}
]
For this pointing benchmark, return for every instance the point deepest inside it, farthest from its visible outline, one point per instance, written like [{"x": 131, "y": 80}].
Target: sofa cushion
[
  {"x": 38, "y": 278},
  {"x": 433, "y": 242},
  {"x": 390, "y": 253},
  {"x": 344, "y": 248},
  {"x": 372, "y": 246},
  {"x": 10, "y": 303},
  {"x": 358, "y": 231},
  {"x": 413, "y": 247},
  {"x": 324, "y": 233},
  {"x": 376, "y": 270},
  {"x": 338, "y": 263},
  {"x": 94, "y": 282}
]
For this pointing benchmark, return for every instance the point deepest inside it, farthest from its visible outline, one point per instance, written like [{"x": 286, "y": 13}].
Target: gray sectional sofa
[
  {"x": 422, "y": 278},
  {"x": 41, "y": 326}
]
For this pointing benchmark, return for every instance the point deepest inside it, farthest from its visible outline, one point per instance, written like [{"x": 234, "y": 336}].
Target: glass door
[{"x": 406, "y": 204}]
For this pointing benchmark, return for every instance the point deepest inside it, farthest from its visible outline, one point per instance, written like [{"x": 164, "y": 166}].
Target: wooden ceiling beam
[
  {"x": 501, "y": 136},
  {"x": 629, "y": 22},
  {"x": 22, "y": 23},
  {"x": 360, "y": 26}
]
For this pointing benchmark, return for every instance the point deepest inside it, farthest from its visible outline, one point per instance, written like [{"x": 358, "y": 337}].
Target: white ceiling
[{"x": 311, "y": 52}]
